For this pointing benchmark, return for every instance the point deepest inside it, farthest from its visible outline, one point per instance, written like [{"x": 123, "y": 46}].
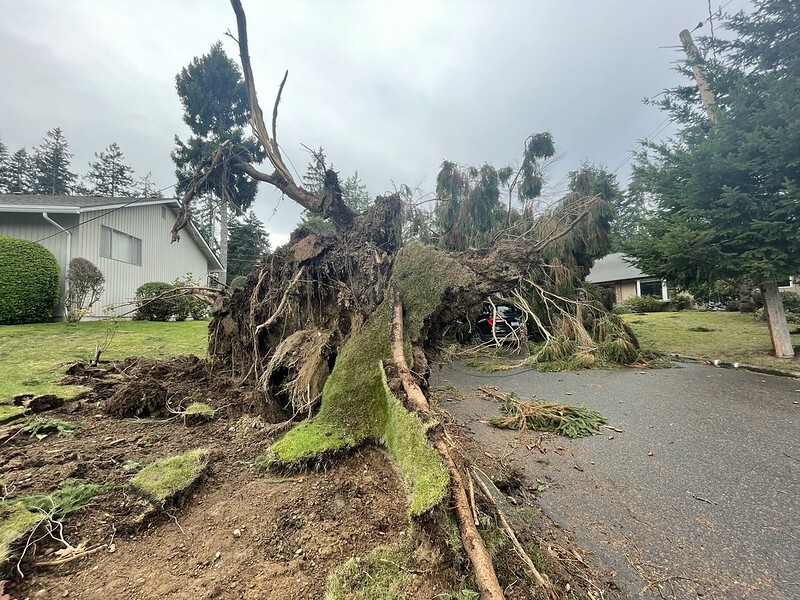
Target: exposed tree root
[
  {"x": 484, "y": 482},
  {"x": 485, "y": 574}
]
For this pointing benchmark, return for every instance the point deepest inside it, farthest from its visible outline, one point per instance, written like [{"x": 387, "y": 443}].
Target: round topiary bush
[
  {"x": 238, "y": 282},
  {"x": 153, "y": 303},
  {"x": 28, "y": 282}
]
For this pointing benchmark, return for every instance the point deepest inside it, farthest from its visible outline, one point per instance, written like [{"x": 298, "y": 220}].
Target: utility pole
[{"x": 695, "y": 60}]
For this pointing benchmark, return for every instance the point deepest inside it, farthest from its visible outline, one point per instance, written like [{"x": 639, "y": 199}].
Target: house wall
[
  {"x": 161, "y": 261},
  {"x": 33, "y": 227},
  {"x": 627, "y": 289}
]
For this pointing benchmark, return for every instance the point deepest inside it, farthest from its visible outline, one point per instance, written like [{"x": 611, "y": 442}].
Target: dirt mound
[{"x": 141, "y": 387}]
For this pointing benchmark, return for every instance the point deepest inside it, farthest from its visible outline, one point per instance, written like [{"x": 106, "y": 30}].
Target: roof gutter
[{"x": 69, "y": 256}]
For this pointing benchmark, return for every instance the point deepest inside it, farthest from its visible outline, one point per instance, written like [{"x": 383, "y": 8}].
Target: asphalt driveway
[{"x": 698, "y": 496}]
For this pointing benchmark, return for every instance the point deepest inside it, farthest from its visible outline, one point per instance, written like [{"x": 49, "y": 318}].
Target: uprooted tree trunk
[{"x": 313, "y": 326}]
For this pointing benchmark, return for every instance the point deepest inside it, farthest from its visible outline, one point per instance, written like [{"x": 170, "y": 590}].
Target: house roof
[
  {"x": 71, "y": 204},
  {"x": 27, "y": 203},
  {"x": 614, "y": 267}
]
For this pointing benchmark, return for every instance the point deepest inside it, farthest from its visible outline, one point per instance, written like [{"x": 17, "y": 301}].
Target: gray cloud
[{"x": 388, "y": 88}]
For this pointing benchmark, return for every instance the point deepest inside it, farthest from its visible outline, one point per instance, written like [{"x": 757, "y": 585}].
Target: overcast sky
[{"x": 390, "y": 89}]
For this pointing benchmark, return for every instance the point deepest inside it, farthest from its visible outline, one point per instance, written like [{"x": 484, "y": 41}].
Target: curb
[{"x": 738, "y": 365}]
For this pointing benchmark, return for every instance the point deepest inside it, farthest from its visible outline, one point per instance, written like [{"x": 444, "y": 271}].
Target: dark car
[{"x": 499, "y": 322}]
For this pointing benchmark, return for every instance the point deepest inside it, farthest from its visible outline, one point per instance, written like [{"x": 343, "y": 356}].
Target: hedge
[{"x": 28, "y": 282}]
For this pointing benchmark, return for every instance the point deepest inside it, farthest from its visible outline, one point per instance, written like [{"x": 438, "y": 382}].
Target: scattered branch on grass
[{"x": 563, "y": 419}]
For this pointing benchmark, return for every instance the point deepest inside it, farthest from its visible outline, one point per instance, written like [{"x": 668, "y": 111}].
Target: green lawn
[
  {"x": 735, "y": 337},
  {"x": 32, "y": 357}
]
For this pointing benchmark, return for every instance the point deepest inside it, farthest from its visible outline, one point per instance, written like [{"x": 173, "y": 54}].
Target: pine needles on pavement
[{"x": 563, "y": 419}]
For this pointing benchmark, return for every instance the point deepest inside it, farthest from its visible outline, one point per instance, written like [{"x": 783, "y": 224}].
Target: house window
[
  {"x": 650, "y": 288},
  {"x": 120, "y": 246},
  {"x": 786, "y": 282},
  {"x": 164, "y": 212}
]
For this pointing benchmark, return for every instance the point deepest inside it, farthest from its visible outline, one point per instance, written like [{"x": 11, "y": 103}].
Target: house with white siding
[{"x": 128, "y": 239}]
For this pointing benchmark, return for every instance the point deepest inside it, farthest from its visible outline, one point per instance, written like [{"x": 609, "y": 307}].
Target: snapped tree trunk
[{"x": 776, "y": 321}]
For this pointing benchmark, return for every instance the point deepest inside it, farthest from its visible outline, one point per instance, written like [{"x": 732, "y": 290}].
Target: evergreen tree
[
  {"x": 314, "y": 179},
  {"x": 109, "y": 175},
  {"x": 51, "y": 162},
  {"x": 727, "y": 193},
  {"x": 597, "y": 180},
  {"x": 145, "y": 188},
  {"x": 248, "y": 241},
  {"x": 355, "y": 193},
  {"x": 5, "y": 168},
  {"x": 20, "y": 173},
  {"x": 468, "y": 206},
  {"x": 214, "y": 99}
]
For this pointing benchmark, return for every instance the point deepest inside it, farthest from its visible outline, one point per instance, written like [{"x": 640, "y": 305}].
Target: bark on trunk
[{"x": 776, "y": 321}]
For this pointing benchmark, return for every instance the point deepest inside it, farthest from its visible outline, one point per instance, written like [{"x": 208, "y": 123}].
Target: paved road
[{"x": 700, "y": 494}]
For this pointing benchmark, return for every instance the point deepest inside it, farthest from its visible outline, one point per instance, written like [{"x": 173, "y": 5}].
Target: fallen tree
[{"x": 338, "y": 329}]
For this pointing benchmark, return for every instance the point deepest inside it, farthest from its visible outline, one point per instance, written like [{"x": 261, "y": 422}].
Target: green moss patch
[
  {"x": 380, "y": 575},
  {"x": 417, "y": 460},
  {"x": 357, "y": 406},
  {"x": 15, "y": 522},
  {"x": 164, "y": 479}
]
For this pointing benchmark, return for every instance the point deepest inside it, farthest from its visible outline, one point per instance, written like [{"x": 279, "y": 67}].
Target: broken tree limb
[{"x": 482, "y": 479}]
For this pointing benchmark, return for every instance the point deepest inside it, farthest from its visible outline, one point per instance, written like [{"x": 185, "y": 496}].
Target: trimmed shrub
[
  {"x": 644, "y": 304},
  {"x": 154, "y": 303},
  {"x": 186, "y": 306},
  {"x": 238, "y": 282},
  {"x": 151, "y": 304},
  {"x": 681, "y": 302},
  {"x": 84, "y": 286},
  {"x": 791, "y": 302},
  {"x": 733, "y": 305},
  {"x": 28, "y": 282}
]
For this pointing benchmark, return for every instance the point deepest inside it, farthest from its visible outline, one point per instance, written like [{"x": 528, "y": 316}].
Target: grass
[
  {"x": 70, "y": 497},
  {"x": 33, "y": 357},
  {"x": 162, "y": 480},
  {"x": 15, "y": 522},
  {"x": 380, "y": 575},
  {"x": 9, "y": 412},
  {"x": 732, "y": 337}
]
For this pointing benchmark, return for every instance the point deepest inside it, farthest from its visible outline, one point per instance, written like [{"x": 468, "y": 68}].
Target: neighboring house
[
  {"x": 617, "y": 273},
  {"x": 127, "y": 239},
  {"x": 790, "y": 284}
]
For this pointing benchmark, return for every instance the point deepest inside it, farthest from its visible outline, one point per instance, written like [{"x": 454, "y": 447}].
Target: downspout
[{"x": 69, "y": 258}]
